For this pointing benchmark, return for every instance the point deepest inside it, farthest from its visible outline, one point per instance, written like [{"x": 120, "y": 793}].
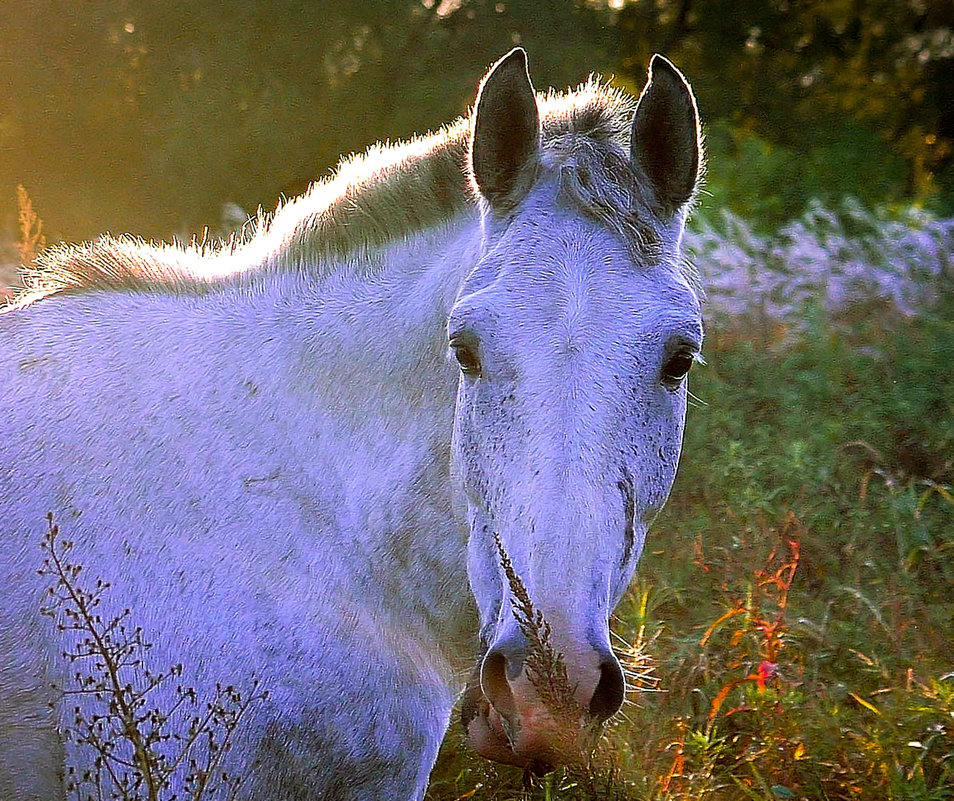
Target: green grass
[{"x": 797, "y": 595}]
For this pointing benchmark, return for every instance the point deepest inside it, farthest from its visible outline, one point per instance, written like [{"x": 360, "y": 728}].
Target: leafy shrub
[{"x": 771, "y": 183}]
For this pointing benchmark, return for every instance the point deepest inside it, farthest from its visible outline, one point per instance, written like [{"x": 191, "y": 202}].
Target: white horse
[{"x": 293, "y": 456}]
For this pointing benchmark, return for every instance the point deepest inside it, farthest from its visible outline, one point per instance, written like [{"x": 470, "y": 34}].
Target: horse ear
[
  {"x": 666, "y": 142},
  {"x": 505, "y": 136}
]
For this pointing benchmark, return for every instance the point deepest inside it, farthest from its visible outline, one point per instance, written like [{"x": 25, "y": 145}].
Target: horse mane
[{"x": 386, "y": 193}]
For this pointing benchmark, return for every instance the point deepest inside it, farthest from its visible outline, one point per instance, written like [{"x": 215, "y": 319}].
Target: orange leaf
[
  {"x": 722, "y": 619},
  {"x": 724, "y": 693},
  {"x": 677, "y": 764}
]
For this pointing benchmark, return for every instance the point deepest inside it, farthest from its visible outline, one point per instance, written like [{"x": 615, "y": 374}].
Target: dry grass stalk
[
  {"x": 31, "y": 240},
  {"x": 545, "y": 666},
  {"x": 591, "y": 773}
]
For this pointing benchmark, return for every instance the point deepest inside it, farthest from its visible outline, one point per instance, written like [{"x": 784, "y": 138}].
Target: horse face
[{"x": 573, "y": 352}]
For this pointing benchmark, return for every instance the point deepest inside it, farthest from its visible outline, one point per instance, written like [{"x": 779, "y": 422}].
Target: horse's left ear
[
  {"x": 505, "y": 137},
  {"x": 666, "y": 141}
]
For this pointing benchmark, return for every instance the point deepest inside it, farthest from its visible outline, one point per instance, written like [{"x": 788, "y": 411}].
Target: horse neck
[{"x": 373, "y": 369}]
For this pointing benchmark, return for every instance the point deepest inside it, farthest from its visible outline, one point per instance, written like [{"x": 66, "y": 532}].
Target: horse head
[{"x": 573, "y": 335}]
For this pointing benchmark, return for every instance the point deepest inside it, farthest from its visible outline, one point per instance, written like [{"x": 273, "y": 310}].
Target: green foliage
[
  {"x": 772, "y": 183},
  {"x": 149, "y": 116}
]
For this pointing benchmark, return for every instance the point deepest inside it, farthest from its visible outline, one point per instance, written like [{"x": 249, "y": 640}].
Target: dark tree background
[{"x": 148, "y": 116}]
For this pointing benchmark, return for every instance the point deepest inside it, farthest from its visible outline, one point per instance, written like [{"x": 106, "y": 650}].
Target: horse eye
[
  {"x": 467, "y": 358},
  {"x": 677, "y": 368}
]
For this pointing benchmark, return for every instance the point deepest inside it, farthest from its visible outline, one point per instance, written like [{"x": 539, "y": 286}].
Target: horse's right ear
[
  {"x": 505, "y": 135},
  {"x": 665, "y": 137}
]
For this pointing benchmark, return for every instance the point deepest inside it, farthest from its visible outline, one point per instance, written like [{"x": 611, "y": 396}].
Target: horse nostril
[
  {"x": 494, "y": 683},
  {"x": 610, "y": 690}
]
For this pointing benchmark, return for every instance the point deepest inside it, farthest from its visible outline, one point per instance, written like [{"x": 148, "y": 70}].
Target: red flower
[{"x": 766, "y": 671}]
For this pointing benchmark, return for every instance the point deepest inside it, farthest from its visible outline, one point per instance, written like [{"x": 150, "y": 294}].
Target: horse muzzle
[{"x": 509, "y": 718}]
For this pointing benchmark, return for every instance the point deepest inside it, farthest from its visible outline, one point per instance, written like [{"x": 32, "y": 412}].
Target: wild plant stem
[{"x": 127, "y": 715}]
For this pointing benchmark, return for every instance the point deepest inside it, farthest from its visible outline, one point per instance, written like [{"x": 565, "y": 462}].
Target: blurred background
[
  {"x": 148, "y": 116},
  {"x": 790, "y": 632}
]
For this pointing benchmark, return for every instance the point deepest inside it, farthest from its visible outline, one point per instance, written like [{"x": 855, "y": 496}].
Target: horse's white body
[
  {"x": 261, "y": 467},
  {"x": 258, "y": 526}
]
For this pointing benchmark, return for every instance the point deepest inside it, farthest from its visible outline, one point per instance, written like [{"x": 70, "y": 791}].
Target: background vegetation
[
  {"x": 791, "y": 630},
  {"x": 148, "y": 115}
]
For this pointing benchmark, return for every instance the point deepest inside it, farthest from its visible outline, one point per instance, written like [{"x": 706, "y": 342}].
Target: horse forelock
[{"x": 387, "y": 193}]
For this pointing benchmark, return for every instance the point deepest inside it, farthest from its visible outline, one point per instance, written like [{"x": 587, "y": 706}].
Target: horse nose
[
  {"x": 595, "y": 678},
  {"x": 610, "y": 689},
  {"x": 502, "y": 666}
]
